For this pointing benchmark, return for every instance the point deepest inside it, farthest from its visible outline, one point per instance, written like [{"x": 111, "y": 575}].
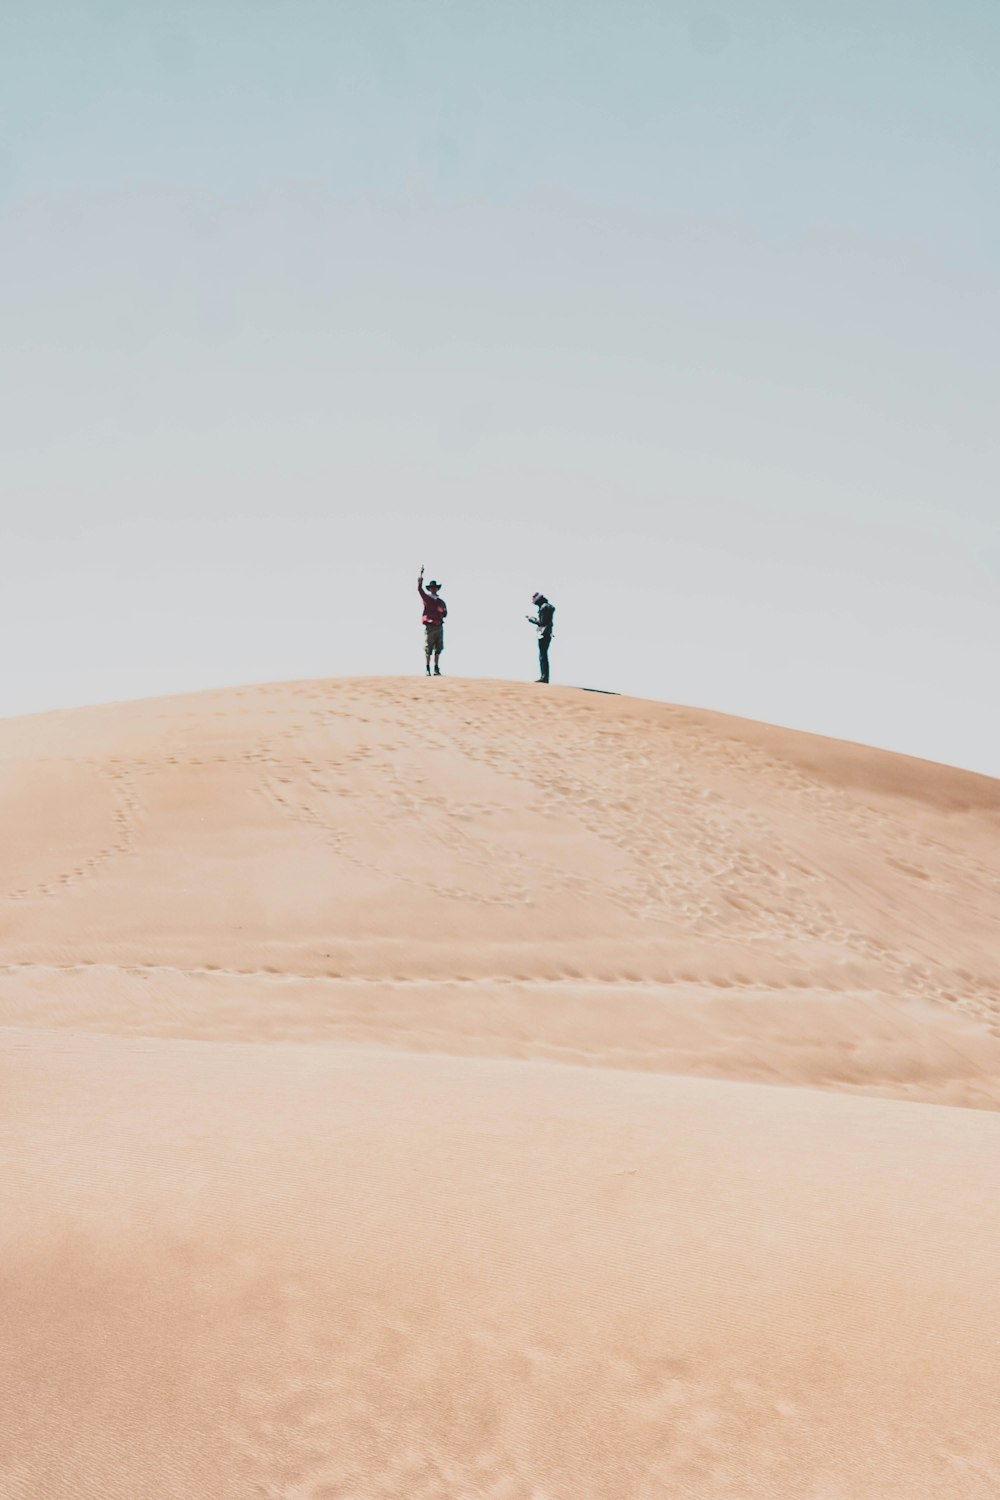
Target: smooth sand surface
[{"x": 449, "y": 1089}]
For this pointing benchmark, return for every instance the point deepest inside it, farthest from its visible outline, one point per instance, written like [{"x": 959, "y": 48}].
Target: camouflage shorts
[{"x": 434, "y": 635}]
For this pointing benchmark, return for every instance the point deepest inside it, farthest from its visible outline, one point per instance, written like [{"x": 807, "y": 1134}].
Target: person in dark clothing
[
  {"x": 542, "y": 620},
  {"x": 435, "y": 611}
]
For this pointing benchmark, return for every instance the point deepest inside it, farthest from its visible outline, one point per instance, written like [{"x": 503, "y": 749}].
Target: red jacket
[{"x": 435, "y": 608}]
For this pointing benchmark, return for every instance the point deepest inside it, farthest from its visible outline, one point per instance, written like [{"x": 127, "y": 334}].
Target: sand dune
[{"x": 438, "y": 1089}]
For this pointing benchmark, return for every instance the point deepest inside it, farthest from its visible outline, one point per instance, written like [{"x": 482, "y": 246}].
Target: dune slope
[{"x": 418, "y": 1089}]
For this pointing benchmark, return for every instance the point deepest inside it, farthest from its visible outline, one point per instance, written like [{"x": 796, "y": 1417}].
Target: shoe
[
  {"x": 541, "y": 679},
  {"x": 437, "y": 671},
  {"x": 428, "y": 671}
]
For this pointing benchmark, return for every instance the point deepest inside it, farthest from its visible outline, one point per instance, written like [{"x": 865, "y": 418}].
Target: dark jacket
[
  {"x": 544, "y": 618},
  {"x": 435, "y": 608}
]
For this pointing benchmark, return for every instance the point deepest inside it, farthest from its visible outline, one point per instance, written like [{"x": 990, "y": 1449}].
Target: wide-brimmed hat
[
  {"x": 537, "y": 598},
  {"x": 433, "y": 584}
]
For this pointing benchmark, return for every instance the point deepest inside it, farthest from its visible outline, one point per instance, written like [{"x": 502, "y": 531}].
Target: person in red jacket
[{"x": 435, "y": 610}]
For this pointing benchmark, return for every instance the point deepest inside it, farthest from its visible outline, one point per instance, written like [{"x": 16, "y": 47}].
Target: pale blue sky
[{"x": 688, "y": 315}]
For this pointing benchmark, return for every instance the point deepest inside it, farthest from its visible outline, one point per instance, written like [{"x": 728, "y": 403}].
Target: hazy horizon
[{"x": 686, "y": 315}]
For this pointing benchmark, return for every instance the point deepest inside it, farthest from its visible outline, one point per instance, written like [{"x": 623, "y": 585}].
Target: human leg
[{"x": 435, "y": 645}]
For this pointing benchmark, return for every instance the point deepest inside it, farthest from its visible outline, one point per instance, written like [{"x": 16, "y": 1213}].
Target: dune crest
[{"x": 443, "y": 1089}]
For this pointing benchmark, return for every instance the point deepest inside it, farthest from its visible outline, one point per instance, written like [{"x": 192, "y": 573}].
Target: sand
[{"x": 447, "y": 1089}]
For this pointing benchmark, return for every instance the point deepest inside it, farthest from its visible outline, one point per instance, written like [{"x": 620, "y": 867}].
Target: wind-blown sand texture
[{"x": 444, "y": 1089}]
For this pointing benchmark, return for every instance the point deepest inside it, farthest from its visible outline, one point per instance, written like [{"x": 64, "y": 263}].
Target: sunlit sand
[{"x": 420, "y": 1089}]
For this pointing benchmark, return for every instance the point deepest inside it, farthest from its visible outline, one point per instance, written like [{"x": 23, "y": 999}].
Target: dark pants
[{"x": 543, "y": 656}]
